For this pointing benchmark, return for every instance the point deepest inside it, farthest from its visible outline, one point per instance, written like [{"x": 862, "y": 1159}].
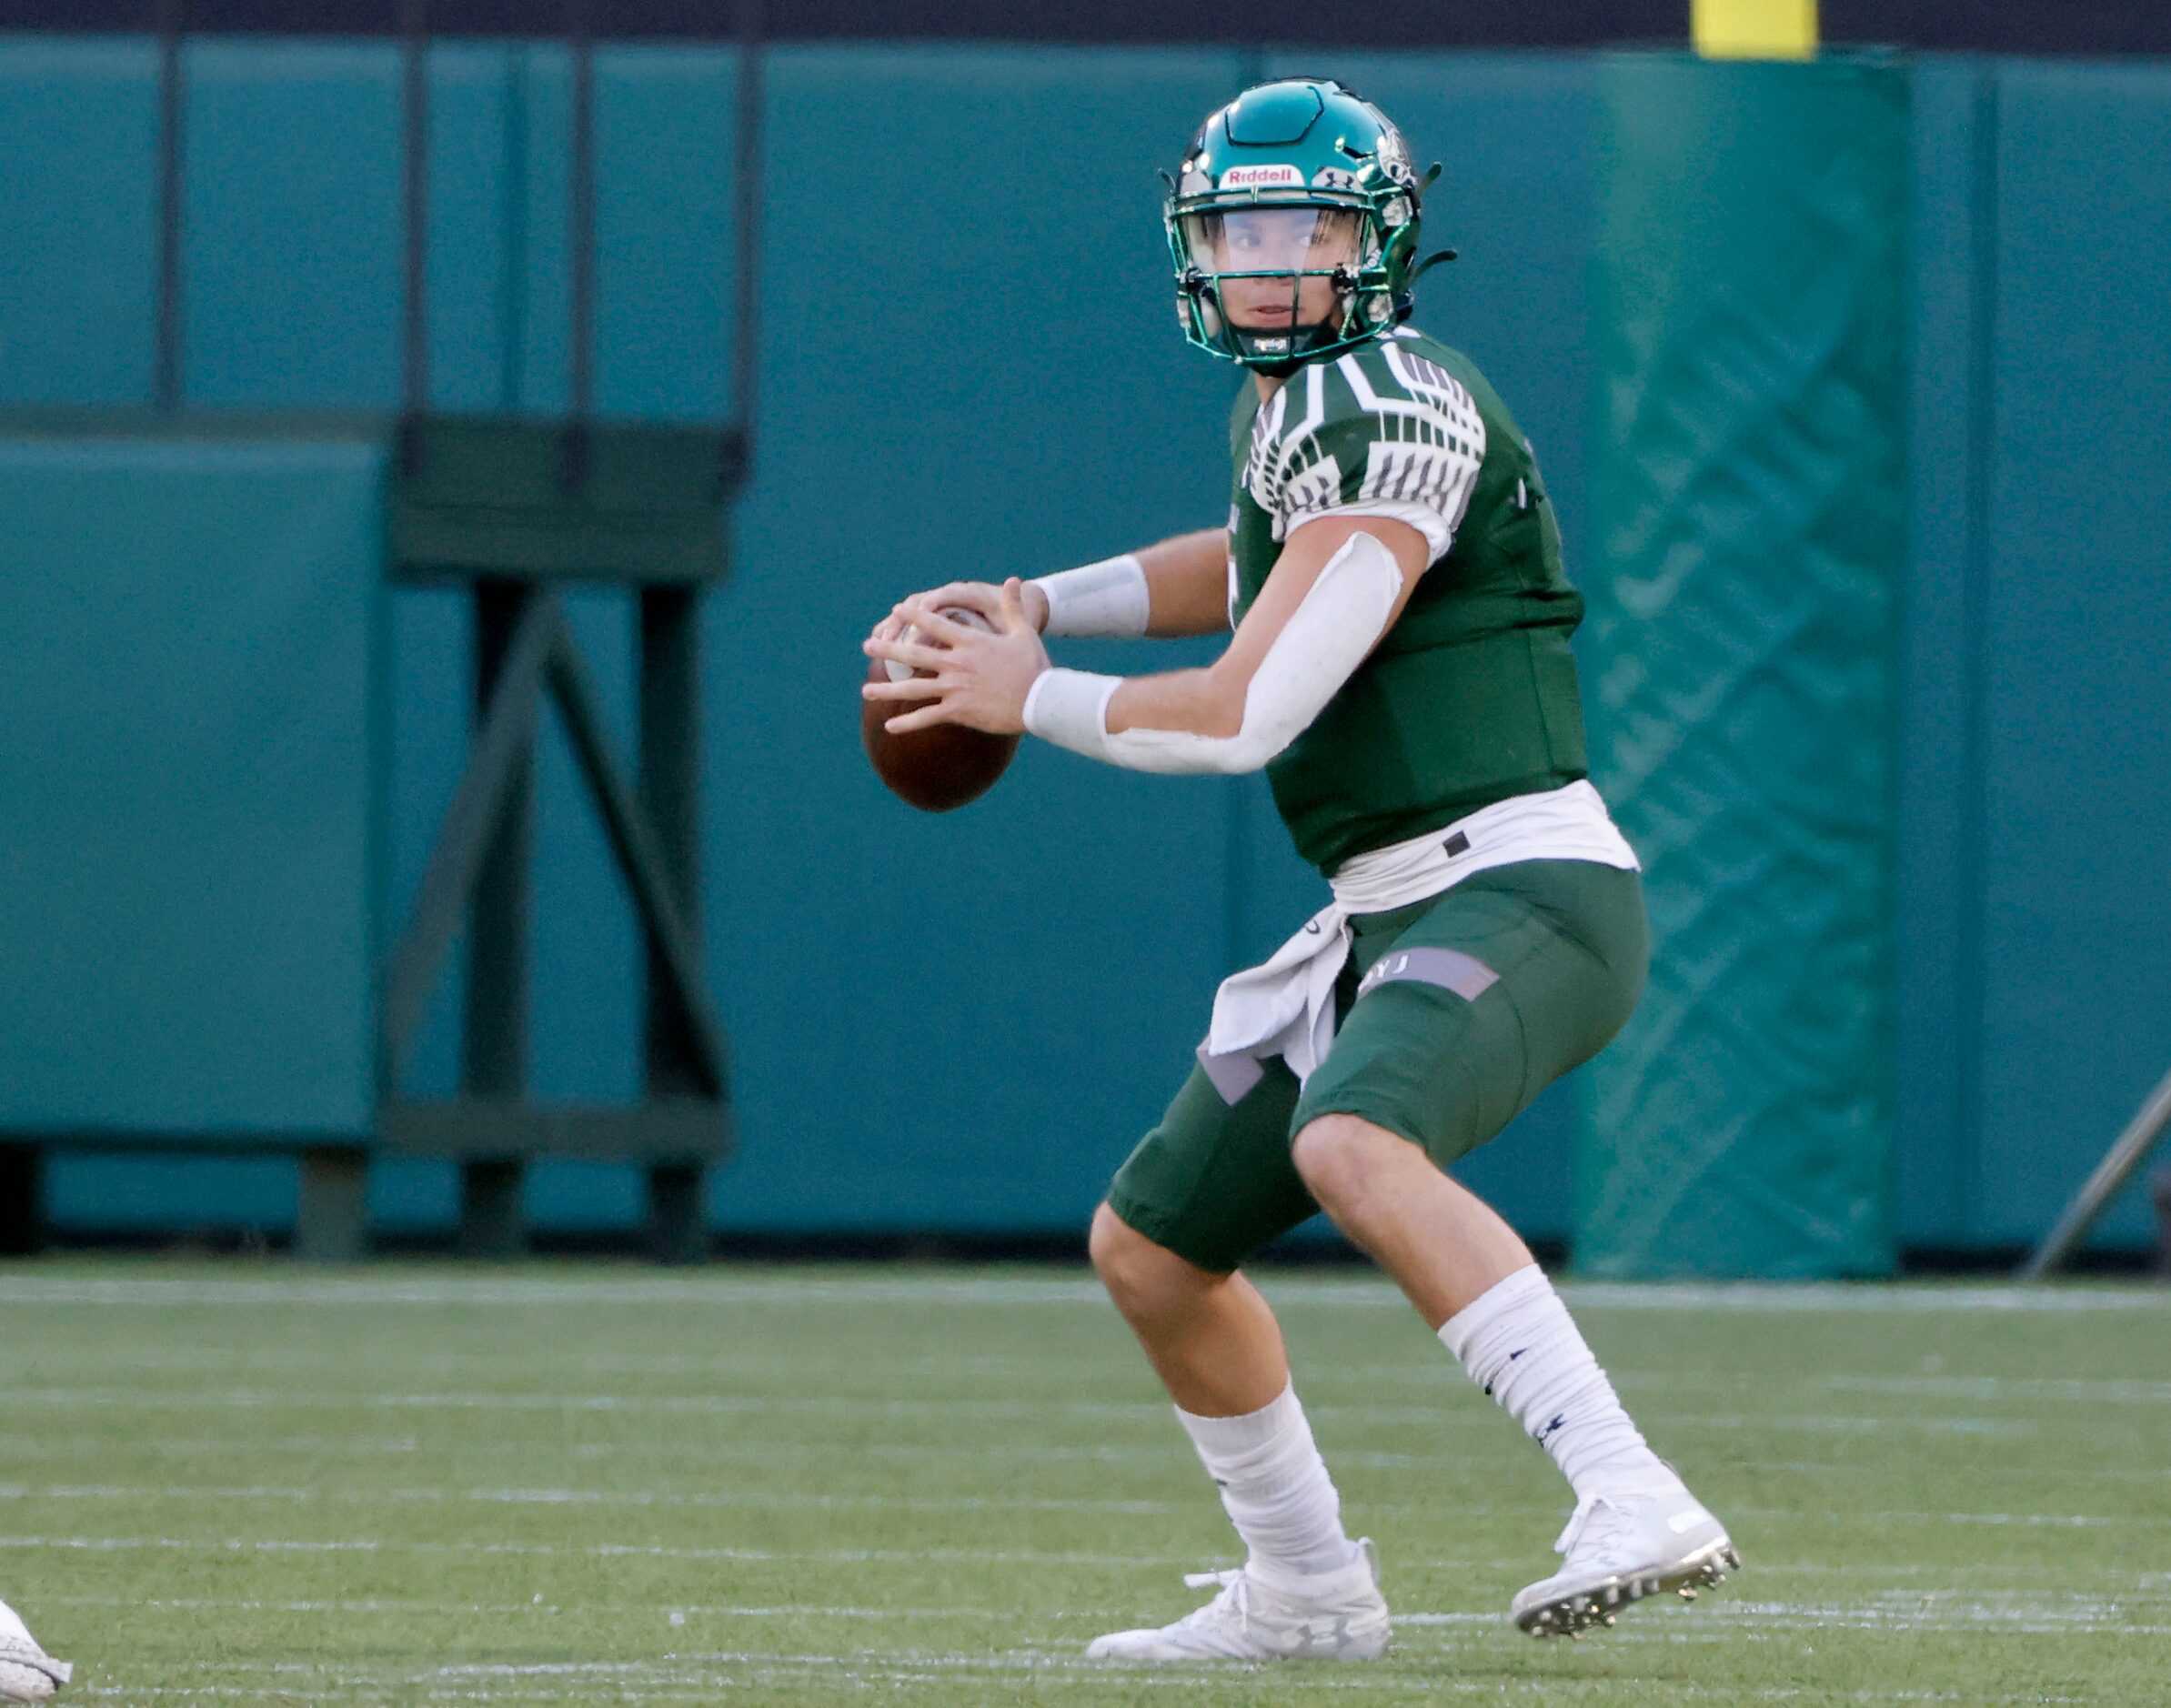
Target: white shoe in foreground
[
  {"x": 1620, "y": 1548},
  {"x": 27, "y": 1673},
  {"x": 1339, "y": 1617}
]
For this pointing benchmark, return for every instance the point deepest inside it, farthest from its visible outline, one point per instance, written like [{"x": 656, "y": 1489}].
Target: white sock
[
  {"x": 1519, "y": 1345},
  {"x": 1275, "y": 1489}
]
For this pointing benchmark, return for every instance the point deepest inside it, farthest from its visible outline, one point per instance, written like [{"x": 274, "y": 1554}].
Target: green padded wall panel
[
  {"x": 1747, "y": 512},
  {"x": 79, "y": 133},
  {"x": 188, "y": 845},
  {"x": 2075, "y": 720},
  {"x": 1047, "y": 957}
]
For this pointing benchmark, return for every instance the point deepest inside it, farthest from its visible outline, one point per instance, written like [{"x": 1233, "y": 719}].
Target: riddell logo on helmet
[{"x": 1261, "y": 178}]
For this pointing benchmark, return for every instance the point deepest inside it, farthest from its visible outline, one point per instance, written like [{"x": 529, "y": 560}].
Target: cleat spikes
[{"x": 1591, "y": 1591}]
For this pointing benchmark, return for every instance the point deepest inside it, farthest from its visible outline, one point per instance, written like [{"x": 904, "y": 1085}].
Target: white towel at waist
[{"x": 1285, "y": 1006}]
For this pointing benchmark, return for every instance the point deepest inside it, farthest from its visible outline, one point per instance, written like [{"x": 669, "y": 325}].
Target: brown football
[{"x": 937, "y": 768}]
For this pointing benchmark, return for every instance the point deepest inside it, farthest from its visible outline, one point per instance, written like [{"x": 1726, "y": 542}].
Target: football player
[{"x": 1400, "y": 669}]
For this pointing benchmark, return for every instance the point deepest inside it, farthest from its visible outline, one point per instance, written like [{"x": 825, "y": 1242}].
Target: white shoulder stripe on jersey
[
  {"x": 1420, "y": 466},
  {"x": 1423, "y": 379}
]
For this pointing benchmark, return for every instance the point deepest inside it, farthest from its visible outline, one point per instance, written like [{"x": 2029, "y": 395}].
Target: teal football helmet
[{"x": 1294, "y": 180}]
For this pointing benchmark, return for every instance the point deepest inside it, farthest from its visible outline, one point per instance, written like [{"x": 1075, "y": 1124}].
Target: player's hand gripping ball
[{"x": 943, "y": 704}]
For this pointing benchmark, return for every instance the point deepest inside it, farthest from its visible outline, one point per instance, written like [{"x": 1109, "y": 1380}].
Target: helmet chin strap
[{"x": 1339, "y": 318}]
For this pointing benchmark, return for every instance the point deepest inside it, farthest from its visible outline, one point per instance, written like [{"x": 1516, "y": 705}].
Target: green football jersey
[{"x": 1471, "y": 695}]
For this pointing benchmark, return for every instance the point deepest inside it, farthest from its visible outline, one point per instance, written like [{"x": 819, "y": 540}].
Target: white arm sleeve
[
  {"x": 1327, "y": 636},
  {"x": 1107, "y": 598}
]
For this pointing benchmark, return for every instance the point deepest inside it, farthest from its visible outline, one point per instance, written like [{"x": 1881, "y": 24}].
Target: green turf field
[{"x": 246, "y": 1482}]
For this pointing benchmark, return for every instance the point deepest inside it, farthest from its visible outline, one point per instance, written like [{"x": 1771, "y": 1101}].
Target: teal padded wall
[
  {"x": 190, "y": 843},
  {"x": 1936, "y": 879},
  {"x": 1517, "y": 134},
  {"x": 1748, "y": 493},
  {"x": 2075, "y": 629},
  {"x": 963, "y": 1021},
  {"x": 78, "y": 130},
  {"x": 2035, "y": 730},
  {"x": 292, "y": 213}
]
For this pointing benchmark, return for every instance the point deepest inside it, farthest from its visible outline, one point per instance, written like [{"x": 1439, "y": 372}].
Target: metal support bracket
[
  {"x": 2111, "y": 1174},
  {"x": 684, "y": 1125}
]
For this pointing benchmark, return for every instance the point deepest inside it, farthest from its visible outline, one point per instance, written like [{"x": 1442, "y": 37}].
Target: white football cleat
[
  {"x": 1340, "y": 1616},
  {"x": 27, "y": 1673},
  {"x": 1620, "y": 1548}
]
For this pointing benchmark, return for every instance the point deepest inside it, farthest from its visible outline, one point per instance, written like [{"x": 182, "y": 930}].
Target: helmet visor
[{"x": 1269, "y": 240}]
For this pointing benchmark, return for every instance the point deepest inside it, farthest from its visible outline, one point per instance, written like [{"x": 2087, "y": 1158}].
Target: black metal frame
[{"x": 2120, "y": 1164}]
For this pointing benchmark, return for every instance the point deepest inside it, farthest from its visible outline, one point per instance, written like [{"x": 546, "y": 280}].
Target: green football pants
[{"x": 1484, "y": 995}]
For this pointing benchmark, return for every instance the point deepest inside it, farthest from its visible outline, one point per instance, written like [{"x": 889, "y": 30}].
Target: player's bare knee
[
  {"x": 1142, "y": 1277},
  {"x": 1122, "y": 1256},
  {"x": 1339, "y": 1159}
]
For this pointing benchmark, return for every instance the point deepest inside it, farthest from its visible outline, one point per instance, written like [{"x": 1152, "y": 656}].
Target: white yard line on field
[
  {"x": 704, "y": 1451},
  {"x": 856, "y": 1556},
  {"x": 1157, "y": 1414},
  {"x": 1919, "y": 1610},
  {"x": 1177, "y": 1685},
  {"x": 75, "y": 1445},
  {"x": 1152, "y": 1414},
  {"x": 700, "y": 1451},
  {"x": 404, "y": 1607},
  {"x": 688, "y": 1677},
  {"x": 886, "y": 1682},
  {"x": 599, "y": 1550},
  {"x": 439, "y": 1290},
  {"x": 1876, "y": 1298},
  {"x": 2083, "y": 1390},
  {"x": 1837, "y": 1424},
  {"x": 1876, "y": 1515},
  {"x": 370, "y": 1495},
  {"x": 831, "y": 1286},
  {"x": 705, "y": 1499}
]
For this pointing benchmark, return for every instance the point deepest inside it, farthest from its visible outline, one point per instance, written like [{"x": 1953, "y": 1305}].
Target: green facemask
[{"x": 1292, "y": 225}]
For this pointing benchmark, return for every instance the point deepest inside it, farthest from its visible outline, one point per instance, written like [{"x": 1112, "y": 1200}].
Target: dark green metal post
[
  {"x": 22, "y": 1199},
  {"x": 331, "y": 1224},
  {"x": 668, "y": 791},
  {"x": 494, "y": 1040}
]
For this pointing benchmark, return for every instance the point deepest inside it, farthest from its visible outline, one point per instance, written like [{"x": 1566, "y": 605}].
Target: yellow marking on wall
[{"x": 1753, "y": 29}]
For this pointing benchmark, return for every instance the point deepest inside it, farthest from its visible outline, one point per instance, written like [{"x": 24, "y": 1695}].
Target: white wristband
[
  {"x": 1107, "y": 598},
  {"x": 1069, "y": 708}
]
